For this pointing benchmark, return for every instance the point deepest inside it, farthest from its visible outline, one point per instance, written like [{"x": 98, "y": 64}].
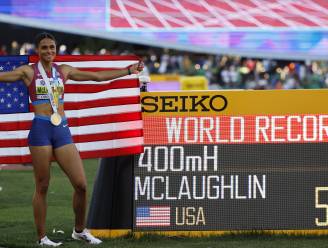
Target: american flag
[
  {"x": 153, "y": 216},
  {"x": 104, "y": 117},
  {"x": 13, "y": 96}
]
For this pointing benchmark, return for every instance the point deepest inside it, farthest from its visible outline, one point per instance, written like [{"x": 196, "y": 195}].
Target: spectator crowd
[{"x": 222, "y": 72}]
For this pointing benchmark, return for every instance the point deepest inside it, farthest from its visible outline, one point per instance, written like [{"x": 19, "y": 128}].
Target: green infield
[{"x": 17, "y": 227}]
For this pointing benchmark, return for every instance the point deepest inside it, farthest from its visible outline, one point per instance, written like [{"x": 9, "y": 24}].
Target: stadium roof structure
[{"x": 282, "y": 29}]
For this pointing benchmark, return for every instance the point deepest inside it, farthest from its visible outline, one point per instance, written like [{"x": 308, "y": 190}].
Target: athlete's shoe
[
  {"x": 47, "y": 242},
  {"x": 86, "y": 236}
]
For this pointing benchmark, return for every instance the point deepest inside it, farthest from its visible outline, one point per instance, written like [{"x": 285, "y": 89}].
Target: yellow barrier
[
  {"x": 194, "y": 83},
  {"x": 164, "y": 77}
]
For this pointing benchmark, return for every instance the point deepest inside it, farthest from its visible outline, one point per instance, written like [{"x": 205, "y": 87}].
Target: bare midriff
[{"x": 45, "y": 109}]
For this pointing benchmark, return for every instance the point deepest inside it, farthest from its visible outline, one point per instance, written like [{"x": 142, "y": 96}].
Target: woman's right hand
[{"x": 136, "y": 68}]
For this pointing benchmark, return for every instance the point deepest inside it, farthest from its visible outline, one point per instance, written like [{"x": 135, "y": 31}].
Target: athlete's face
[{"x": 47, "y": 50}]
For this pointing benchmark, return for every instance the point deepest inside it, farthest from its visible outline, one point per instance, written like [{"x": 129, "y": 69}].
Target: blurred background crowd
[
  {"x": 222, "y": 71},
  {"x": 281, "y": 44}
]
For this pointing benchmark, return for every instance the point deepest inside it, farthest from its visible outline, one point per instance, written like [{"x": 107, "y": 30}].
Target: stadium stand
[{"x": 222, "y": 71}]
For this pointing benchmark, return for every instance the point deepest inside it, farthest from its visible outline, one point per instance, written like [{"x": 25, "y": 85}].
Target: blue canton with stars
[{"x": 13, "y": 96}]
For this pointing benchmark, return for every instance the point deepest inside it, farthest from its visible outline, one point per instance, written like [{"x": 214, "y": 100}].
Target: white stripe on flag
[
  {"x": 88, "y": 129},
  {"x": 150, "y": 220},
  {"x": 103, "y": 128},
  {"x": 16, "y": 117},
  {"x": 6, "y": 135},
  {"x": 103, "y": 111},
  {"x": 100, "y": 64},
  {"x": 109, "y": 144},
  {"x": 76, "y": 97},
  {"x": 132, "y": 76},
  {"x": 86, "y": 146}
]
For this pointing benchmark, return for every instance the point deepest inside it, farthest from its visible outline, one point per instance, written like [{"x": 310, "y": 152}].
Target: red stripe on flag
[
  {"x": 81, "y": 138},
  {"x": 101, "y": 119},
  {"x": 99, "y": 103},
  {"x": 84, "y": 155},
  {"x": 14, "y": 143},
  {"x": 112, "y": 152},
  {"x": 153, "y": 224},
  {"x": 12, "y": 126},
  {"x": 16, "y": 159},
  {"x": 102, "y": 103}
]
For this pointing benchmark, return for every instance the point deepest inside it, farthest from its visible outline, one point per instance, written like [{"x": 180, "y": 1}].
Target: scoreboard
[{"x": 233, "y": 160}]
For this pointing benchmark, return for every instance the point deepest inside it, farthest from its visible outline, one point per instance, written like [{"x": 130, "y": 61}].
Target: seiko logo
[{"x": 200, "y": 103}]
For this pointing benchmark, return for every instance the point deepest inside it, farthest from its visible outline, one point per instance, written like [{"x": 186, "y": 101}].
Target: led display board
[{"x": 233, "y": 160}]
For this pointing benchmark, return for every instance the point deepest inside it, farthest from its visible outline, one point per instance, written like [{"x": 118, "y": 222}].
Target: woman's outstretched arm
[
  {"x": 20, "y": 73},
  {"x": 78, "y": 75}
]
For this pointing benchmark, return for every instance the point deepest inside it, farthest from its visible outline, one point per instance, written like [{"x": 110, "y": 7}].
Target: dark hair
[{"x": 42, "y": 36}]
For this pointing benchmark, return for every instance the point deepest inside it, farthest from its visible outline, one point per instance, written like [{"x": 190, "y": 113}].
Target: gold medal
[{"x": 55, "y": 119}]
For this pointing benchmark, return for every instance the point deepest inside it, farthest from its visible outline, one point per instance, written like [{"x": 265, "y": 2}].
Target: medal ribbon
[{"x": 47, "y": 83}]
